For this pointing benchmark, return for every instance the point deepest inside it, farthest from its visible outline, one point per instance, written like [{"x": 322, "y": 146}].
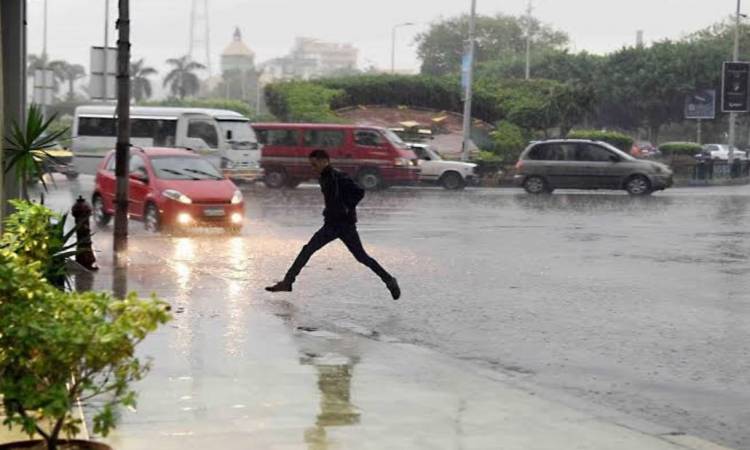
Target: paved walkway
[{"x": 229, "y": 377}]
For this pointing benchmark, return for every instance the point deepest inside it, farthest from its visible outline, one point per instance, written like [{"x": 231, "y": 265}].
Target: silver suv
[{"x": 582, "y": 164}]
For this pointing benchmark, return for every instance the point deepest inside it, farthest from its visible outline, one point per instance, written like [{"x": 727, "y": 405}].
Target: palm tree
[
  {"x": 26, "y": 147},
  {"x": 37, "y": 62},
  {"x": 69, "y": 73},
  {"x": 140, "y": 83},
  {"x": 41, "y": 62},
  {"x": 181, "y": 79}
]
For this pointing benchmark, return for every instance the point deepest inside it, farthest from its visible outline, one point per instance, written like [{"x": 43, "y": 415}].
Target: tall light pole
[
  {"x": 529, "y": 10},
  {"x": 393, "y": 43},
  {"x": 735, "y": 58},
  {"x": 45, "y": 64},
  {"x": 105, "y": 61},
  {"x": 468, "y": 77}
]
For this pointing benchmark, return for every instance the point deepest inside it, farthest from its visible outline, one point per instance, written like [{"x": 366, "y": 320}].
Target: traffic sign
[
  {"x": 701, "y": 105},
  {"x": 734, "y": 86}
]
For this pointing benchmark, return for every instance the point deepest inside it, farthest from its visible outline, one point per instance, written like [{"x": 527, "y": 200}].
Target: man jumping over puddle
[{"x": 341, "y": 195}]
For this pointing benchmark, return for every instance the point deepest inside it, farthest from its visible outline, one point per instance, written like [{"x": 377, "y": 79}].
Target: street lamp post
[
  {"x": 105, "y": 69},
  {"x": 469, "y": 77},
  {"x": 393, "y": 43},
  {"x": 735, "y": 58},
  {"x": 529, "y": 11},
  {"x": 45, "y": 65}
]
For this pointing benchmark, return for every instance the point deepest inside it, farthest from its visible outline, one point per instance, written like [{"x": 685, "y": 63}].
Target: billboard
[
  {"x": 98, "y": 79},
  {"x": 701, "y": 104},
  {"x": 734, "y": 86}
]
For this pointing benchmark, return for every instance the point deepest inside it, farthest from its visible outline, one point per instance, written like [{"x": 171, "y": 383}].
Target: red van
[{"x": 375, "y": 157}]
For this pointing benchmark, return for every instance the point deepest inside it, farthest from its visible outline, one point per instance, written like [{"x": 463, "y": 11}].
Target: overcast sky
[{"x": 160, "y": 27}]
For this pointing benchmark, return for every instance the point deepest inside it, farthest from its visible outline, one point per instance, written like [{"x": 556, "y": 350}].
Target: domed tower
[
  {"x": 240, "y": 79},
  {"x": 237, "y": 55}
]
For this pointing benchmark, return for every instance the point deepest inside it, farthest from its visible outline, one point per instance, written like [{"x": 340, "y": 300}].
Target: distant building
[
  {"x": 239, "y": 77},
  {"x": 237, "y": 55},
  {"x": 310, "y": 58}
]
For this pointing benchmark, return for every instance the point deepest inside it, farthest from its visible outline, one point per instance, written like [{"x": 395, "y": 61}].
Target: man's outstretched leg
[
  {"x": 318, "y": 241},
  {"x": 349, "y": 235}
]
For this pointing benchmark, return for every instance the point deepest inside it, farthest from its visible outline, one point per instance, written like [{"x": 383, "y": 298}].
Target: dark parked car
[{"x": 582, "y": 164}]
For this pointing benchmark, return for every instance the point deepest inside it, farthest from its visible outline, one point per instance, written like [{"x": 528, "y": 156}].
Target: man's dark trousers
[{"x": 347, "y": 232}]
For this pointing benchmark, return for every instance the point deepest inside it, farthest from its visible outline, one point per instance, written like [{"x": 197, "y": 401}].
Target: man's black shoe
[
  {"x": 281, "y": 286},
  {"x": 393, "y": 287}
]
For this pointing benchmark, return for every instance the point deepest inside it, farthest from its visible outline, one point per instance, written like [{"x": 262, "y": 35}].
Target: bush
[
  {"x": 508, "y": 141},
  {"x": 619, "y": 140},
  {"x": 302, "y": 101},
  {"x": 680, "y": 148},
  {"x": 440, "y": 93},
  {"x": 59, "y": 347},
  {"x": 37, "y": 234}
]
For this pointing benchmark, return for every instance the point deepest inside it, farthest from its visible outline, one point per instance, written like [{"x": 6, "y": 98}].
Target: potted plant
[
  {"x": 60, "y": 348},
  {"x": 27, "y": 148}
]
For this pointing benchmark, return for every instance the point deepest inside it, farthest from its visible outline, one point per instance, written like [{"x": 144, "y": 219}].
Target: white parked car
[
  {"x": 721, "y": 152},
  {"x": 449, "y": 174}
]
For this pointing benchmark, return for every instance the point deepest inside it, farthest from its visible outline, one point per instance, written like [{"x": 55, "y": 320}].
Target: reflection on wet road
[{"x": 640, "y": 304}]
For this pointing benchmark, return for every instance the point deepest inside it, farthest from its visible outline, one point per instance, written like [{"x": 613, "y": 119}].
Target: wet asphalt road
[{"x": 638, "y": 304}]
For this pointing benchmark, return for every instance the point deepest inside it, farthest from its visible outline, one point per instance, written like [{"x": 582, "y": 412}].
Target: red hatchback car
[{"x": 170, "y": 188}]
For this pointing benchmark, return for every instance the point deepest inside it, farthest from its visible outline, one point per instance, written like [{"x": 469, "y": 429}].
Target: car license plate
[{"x": 213, "y": 212}]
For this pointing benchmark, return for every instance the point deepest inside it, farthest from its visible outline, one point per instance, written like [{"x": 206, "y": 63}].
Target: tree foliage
[
  {"x": 182, "y": 80},
  {"x": 300, "y": 101},
  {"x": 619, "y": 140},
  {"x": 139, "y": 74},
  {"x": 501, "y": 36}
]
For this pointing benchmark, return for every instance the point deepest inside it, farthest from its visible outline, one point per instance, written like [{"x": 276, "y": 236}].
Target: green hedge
[
  {"x": 440, "y": 93},
  {"x": 680, "y": 148},
  {"x": 302, "y": 101},
  {"x": 533, "y": 105},
  {"x": 619, "y": 140}
]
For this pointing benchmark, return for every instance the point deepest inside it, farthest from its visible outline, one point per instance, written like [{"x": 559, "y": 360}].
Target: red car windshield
[{"x": 184, "y": 168}]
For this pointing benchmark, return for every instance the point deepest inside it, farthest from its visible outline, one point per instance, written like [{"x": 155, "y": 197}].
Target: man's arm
[{"x": 349, "y": 191}]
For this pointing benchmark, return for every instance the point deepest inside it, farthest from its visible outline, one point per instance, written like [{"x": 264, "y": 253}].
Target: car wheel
[
  {"x": 101, "y": 217},
  {"x": 152, "y": 219},
  {"x": 452, "y": 181},
  {"x": 370, "y": 179},
  {"x": 638, "y": 185},
  {"x": 536, "y": 185},
  {"x": 71, "y": 175},
  {"x": 275, "y": 178}
]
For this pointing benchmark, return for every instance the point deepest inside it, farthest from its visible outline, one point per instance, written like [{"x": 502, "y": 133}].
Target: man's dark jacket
[{"x": 342, "y": 194}]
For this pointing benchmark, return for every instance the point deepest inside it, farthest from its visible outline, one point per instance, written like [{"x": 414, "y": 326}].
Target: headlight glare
[
  {"x": 237, "y": 197},
  {"x": 177, "y": 196}
]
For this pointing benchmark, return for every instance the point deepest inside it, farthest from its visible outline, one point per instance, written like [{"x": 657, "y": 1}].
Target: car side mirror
[
  {"x": 614, "y": 158},
  {"x": 139, "y": 176}
]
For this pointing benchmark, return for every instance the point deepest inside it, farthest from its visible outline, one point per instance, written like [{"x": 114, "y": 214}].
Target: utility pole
[
  {"x": 735, "y": 58},
  {"x": 105, "y": 60},
  {"x": 122, "y": 149},
  {"x": 45, "y": 65},
  {"x": 468, "y": 76},
  {"x": 529, "y": 11}
]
